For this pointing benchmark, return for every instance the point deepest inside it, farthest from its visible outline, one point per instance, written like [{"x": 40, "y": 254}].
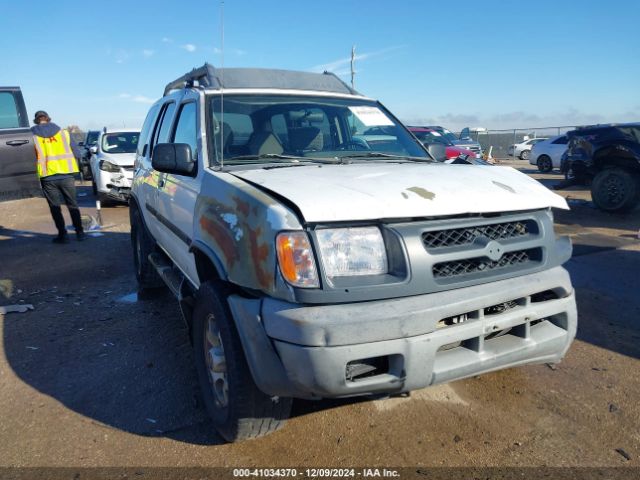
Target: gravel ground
[{"x": 95, "y": 377}]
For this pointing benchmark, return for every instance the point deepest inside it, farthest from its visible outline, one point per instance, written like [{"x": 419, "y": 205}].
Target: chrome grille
[
  {"x": 464, "y": 236},
  {"x": 482, "y": 264}
]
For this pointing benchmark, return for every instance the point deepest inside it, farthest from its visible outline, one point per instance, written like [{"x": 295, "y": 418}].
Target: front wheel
[
  {"x": 544, "y": 164},
  {"x": 239, "y": 410},
  {"x": 615, "y": 190}
]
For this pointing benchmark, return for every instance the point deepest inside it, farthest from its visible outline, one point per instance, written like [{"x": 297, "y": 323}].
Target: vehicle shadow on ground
[
  {"x": 606, "y": 284},
  {"x": 95, "y": 346},
  {"x": 120, "y": 361},
  {"x": 126, "y": 362}
]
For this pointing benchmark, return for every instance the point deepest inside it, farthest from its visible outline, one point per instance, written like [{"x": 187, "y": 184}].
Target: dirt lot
[{"x": 94, "y": 377}]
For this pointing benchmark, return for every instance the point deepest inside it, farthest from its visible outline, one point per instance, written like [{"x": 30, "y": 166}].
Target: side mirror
[
  {"x": 438, "y": 151},
  {"x": 173, "y": 158},
  {"x": 81, "y": 144},
  {"x": 93, "y": 149}
]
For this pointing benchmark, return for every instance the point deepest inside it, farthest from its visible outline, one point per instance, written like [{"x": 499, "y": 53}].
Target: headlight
[
  {"x": 107, "y": 166},
  {"x": 352, "y": 251},
  {"x": 296, "y": 260}
]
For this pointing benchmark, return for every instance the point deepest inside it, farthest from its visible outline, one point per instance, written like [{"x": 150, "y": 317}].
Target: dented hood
[{"x": 326, "y": 193}]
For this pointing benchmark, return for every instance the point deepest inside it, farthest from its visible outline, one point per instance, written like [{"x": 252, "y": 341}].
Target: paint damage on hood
[{"x": 326, "y": 193}]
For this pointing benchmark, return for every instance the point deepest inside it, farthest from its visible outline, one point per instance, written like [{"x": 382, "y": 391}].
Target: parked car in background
[
  {"x": 463, "y": 141},
  {"x": 607, "y": 157},
  {"x": 429, "y": 136},
  {"x": 90, "y": 140},
  {"x": 522, "y": 150},
  {"x": 112, "y": 164},
  {"x": 547, "y": 154},
  {"x": 18, "y": 178}
]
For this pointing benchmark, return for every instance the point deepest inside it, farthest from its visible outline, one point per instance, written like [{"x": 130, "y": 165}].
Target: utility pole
[{"x": 353, "y": 59}]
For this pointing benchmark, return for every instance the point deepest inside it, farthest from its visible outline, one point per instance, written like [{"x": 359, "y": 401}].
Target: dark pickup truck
[
  {"x": 608, "y": 158},
  {"x": 18, "y": 177}
]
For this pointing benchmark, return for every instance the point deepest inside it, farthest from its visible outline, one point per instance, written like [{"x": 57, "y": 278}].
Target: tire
[
  {"x": 94, "y": 187},
  {"x": 238, "y": 409},
  {"x": 524, "y": 155},
  {"x": 545, "y": 165},
  {"x": 143, "y": 245},
  {"x": 615, "y": 190}
]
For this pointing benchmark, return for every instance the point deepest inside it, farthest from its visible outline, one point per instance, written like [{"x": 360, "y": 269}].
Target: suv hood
[
  {"x": 121, "y": 159},
  {"x": 330, "y": 193}
]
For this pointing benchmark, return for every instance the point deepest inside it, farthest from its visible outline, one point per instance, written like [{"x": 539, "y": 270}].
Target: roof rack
[
  {"x": 205, "y": 76},
  {"x": 208, "y": 76}
]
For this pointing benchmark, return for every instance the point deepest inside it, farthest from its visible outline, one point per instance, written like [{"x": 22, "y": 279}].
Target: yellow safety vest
[{"x": 55, "y": 155}]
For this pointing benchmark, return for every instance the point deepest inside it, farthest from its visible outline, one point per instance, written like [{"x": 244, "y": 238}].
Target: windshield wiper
[
  {"x": 264, "y": 156},
  {"x": 387, "y": 155},
  {"x": 290, "y": 160}
]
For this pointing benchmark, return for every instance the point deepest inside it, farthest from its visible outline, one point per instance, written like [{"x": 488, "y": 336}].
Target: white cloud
[
  {"x": 143, "y": 99},
  {"x": 148, "y": 52},
  {"x": 136, "y": 98},
  {"x": 338, "y": 65},
  {"x": 167, "y": 40},
  {"x": 189, "y": 47}
]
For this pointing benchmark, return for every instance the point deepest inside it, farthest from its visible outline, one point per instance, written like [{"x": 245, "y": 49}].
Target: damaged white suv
[{"x": 313, "y": 261}]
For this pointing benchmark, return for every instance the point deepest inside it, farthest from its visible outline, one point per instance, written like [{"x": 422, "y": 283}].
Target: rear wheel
[
  {"x": 544, "y": 164},
  {"x": 239, "y": 410},
  {"x": 143, "y": 245},
  {"x": 615, "y": 190},
  {"x": 525, "y": 154}
]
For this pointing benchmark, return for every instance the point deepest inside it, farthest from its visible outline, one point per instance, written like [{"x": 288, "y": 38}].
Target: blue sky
[{"x": 494, "y": 64}]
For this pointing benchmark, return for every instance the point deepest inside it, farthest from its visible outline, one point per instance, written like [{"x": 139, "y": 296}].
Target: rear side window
[
  {"x": 560, "y": 141},
  {"x": 146, "y": 130},
  {"x": 186, "y": 128},
  {"x": 162, "y": 130},
  {"x": 8, "y": 111}
]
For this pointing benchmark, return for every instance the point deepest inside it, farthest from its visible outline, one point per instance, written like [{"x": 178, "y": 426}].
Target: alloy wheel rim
[{"x": 216, "y": 362}]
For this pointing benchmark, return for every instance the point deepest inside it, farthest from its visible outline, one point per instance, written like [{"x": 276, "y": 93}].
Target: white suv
[
  {"x": 310, "y": 262},
  {"x": 112, "y": 164},
  {"x": 523, "y": 149}
]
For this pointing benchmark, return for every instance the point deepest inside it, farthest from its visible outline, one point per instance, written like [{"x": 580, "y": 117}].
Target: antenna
[
  {"x": 221, "y": 83},
  {"x": 353, "y": 59}
]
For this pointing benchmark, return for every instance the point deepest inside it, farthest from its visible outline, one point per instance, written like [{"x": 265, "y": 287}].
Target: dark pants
[{"x": 59, "y": 191}]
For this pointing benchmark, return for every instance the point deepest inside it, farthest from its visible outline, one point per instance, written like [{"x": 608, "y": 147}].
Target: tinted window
[
  {"x": 146, "y": 128},
  {"x": 186, "y": 129},
  {"x": 123, "y": 142},
  {"x": 8, "y": 111},
  {"x": 560, "y": 141},
  {"x": 162, "y": 132}
]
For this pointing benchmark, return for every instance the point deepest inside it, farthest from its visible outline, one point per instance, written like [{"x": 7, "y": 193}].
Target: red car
[{"x": 429, "y": 136}]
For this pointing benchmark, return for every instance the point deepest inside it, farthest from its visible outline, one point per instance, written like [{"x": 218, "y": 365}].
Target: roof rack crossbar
[{"x": 204, "y": 76}]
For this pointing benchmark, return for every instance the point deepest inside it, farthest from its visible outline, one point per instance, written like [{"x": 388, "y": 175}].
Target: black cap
[{"x": 40, "y": 114}]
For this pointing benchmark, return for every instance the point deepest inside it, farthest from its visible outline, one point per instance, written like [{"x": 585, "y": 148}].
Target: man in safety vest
[{"x": 56, "y": 168}]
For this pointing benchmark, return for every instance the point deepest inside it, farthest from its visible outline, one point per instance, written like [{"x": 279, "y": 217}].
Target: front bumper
[
  {"x": 115, "y": 185},
  {"x": 304, "y": 351}
]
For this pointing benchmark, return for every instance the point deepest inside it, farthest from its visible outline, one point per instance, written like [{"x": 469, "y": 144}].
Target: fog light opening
[{"x": 366, "y": 368}]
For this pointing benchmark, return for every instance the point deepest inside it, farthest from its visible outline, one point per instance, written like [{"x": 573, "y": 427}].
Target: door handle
[
  {"x": 15, "y": 143},
  {"x": 161, "y": 183}
]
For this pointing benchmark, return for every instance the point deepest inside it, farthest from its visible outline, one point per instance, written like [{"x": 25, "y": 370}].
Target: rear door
[
  {"x": 18, "y": 178},
  {"x": 556, "y": 149}
]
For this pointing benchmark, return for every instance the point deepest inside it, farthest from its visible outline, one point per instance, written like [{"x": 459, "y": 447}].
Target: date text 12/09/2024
[{"x": 315, "y": 472}]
